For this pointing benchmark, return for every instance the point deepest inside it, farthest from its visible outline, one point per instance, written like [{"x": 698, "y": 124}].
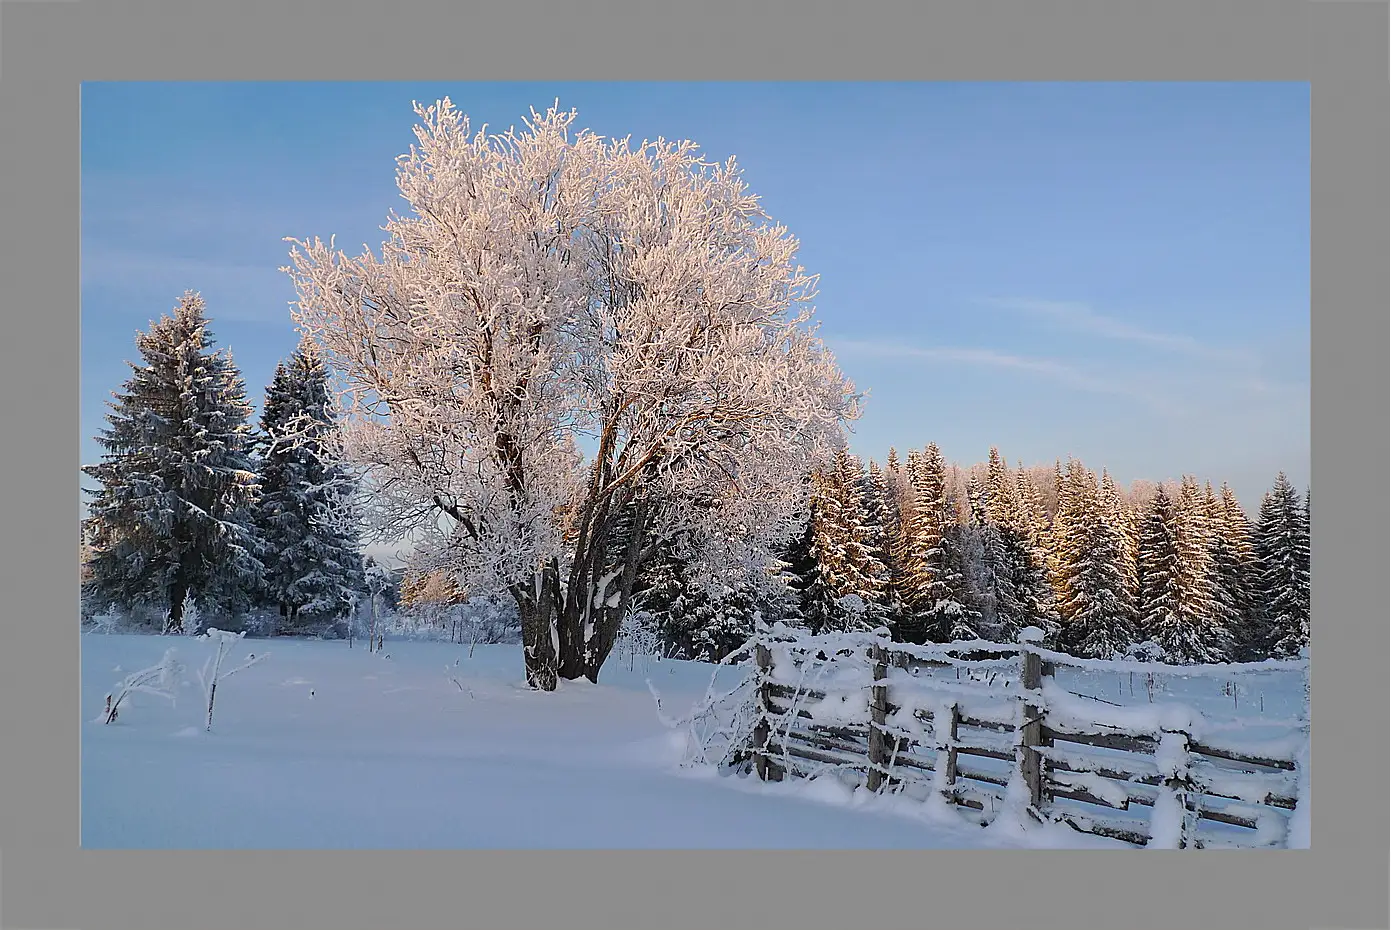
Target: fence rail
[{"x": 1010, "y": 734}]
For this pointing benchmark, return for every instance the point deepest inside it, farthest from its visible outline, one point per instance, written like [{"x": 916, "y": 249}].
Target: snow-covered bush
[
  {"x": 638, "y": 638},
  {"x": 192, "y": 617},
  {"x": 1147, "y": 651}
]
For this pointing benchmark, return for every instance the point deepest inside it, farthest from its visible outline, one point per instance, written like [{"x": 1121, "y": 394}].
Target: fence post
[
  {"x": 952, "y": 728},
  {"x": 878, "y": 714},
  {"x": 1177, "y": 779},
  {"x": 1031, "y": 735},
  {"x": 767, "y": 770}
]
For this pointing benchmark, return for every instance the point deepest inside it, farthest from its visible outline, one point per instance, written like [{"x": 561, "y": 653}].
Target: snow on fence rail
[{"x": 1008, "y": 736}]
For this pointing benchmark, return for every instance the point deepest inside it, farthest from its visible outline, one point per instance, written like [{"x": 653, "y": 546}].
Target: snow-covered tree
[
  {"x": 170, "y": 520},
  {"x": 1176, "y": 602},
  {"x": 1009, "y": 577},
  {"x": 1282, "y": 549},
  {"x": 881, "y": 530},
  {"x": 838, "y": 555},
  {"x": 819, "y": 561},
  {"x": 1239, "y": 573},
  {"x": 1230, "y": 596},
  {"x": 1032, "y": 516},
  {"x": 1117, "y": 512},
  {"x": 1161, "y": 593},
  {"x": 940, "y": 600},
  {"x": 1097, "y": 612},
  {"x": 861, "y": 517},
  {"x": 550, "y": 285},
  {"x": 663, "y": 591},
  {"x": 1200, "y": 605},
  {"x": 969, "y": 608},
  {"x": 313, "y": 566},
  {"x": 1032, "y": 584}
]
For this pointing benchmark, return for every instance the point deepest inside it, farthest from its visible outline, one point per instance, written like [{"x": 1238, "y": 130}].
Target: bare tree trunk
[
  {"x": 588, "y": 568},
  {"x": 178, "y": 591},
  {"x": 610, "y": 618},
  {"x": 372, "y": 630},
  {"x": 537, "y": 610}
]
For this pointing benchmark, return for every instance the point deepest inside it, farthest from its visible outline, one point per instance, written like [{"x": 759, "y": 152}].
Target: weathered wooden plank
[
  {"x": 1139, "y": 744},
  {"x": 1000, "y": 754},
  {"x": 1064, "y": 765},
  {"x": 853, "y": 734},
  {"x": 825, "y": 742},
  {"x": 1134, "y": 833},
  {"x": 1285, "y": 765},
  {"x": 777, "y": 689},
  {"x": 816, "y": 755},
  {"x": 989, "y": 778},
  {"x": 1106, "y": 769},
  {"x": 1073, "y": 793}
]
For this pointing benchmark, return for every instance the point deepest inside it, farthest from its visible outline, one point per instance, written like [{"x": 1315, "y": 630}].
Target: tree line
[{"x": 1174, "y": 572}]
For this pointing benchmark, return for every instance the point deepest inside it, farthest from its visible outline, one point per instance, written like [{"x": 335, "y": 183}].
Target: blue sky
[{"x": 1118, "y": 272}]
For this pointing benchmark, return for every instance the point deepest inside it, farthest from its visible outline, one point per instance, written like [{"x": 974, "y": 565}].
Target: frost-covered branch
[
  {"x": 159, "y": 680},
  {"x": 212, "y": 672}
]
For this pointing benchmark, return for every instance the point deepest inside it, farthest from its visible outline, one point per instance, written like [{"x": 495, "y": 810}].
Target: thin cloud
[
  {"x": 1081, "y": 318},
  {"x": 1049, "y": 369}
]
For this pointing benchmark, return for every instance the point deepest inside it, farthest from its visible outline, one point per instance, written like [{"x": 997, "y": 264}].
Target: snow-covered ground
[
  {"x": 392, "y": 753},
  {"x": 322, "y": 746}
]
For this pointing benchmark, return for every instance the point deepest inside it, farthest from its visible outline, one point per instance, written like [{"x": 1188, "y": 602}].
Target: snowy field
[
  {"x": 322, "y": 746},
  {"x": 392, "y": 753}
]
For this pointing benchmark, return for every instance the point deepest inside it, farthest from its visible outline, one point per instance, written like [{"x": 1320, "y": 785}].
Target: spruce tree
[
  {"x": 722, "y": 621},
  {"x": 906, "y": 580},
  {"x": 1228, "y": 603},
  {"x": 169, "y": 521},
  {"x": 1097, "y": 613},
  {"x": 868, "y": 575},
  {"x": 1032, "y": 578},
  {"x": 839, "y": 556},
  {"x": 1161, "y": 595},
  {"x": 943, "y": 609},
  {"x": 1032, "y": 518},
  {"x": 663, "y": 589},
  {"x": 1116, "y": 511},
  {"x": 970, "y": 607},
  {"x": 827, "y": 567},
  {"x": 1055, "y": 538},
  {"x": 1282, "y": 549},
  {"x": 881, "y": 528},
  {"x": 1200, "y": 608},
  {"x": 315, "y": 568},
  {"x": 1241, "y": 577}
]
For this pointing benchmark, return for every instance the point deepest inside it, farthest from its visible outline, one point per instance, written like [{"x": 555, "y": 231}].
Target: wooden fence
[{"x": 1010, "y": 733}]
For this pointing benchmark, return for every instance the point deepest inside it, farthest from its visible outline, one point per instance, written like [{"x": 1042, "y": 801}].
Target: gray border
[{"x": 49, "y": 47}]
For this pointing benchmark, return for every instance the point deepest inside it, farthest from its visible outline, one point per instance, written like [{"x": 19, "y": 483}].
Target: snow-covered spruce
[
  {"x": 1282, "y": 551},
  {"x": 314, "y": 569},
  {"x": 170, "y": 517}
]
